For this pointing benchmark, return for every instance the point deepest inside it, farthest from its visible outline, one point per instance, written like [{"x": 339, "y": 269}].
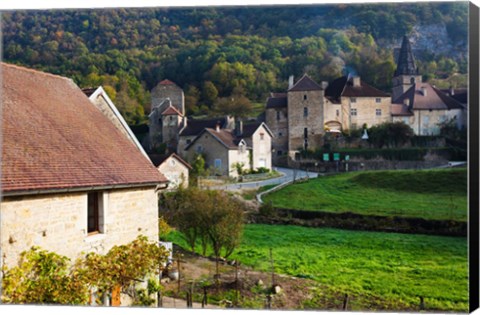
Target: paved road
[{"x": 288, "y": 175}]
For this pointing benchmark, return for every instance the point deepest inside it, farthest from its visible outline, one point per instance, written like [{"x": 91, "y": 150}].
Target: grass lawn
[
  {"x": 377, "y": 270},
  {"x": 430, "y": 194}
]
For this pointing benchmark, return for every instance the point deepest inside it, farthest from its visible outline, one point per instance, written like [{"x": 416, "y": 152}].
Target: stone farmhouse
[
  {"x": 78, "y": 184},
  {"x": 300, "y": 118},
  {"x": 246, "y": 146},
  {"x": 175, "y": 169}
]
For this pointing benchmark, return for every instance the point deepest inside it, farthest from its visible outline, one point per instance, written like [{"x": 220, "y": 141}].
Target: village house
[
  {"x": 72, "y": 181},
  {"x": 224, "y": 150},
  {"x": 174, "y": 168}
]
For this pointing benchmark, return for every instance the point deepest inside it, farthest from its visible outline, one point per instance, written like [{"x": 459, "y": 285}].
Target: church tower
[{"x": 406, "y": 74}]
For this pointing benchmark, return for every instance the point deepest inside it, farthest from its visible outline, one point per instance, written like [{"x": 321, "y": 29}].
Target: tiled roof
[
  {"x": 400, "y": 110},
  {"x": 171, "y": 111},
  {"x": 166, "y": 82},
  {"x": 277, "y": 101},
  {"x": 305, "y": 84},
  {"x": 195, "y": 127},
  {"x": 433, "y": 100},
  {"x": 54, "y": 138},
  {"x": 343, "y": 86},
  {"x": 158, "y": 159}
]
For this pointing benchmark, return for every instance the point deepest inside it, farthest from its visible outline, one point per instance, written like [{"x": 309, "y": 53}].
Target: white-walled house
[
  {"x": 72, "y": 181},
  {"x": 174, "y": 168}
]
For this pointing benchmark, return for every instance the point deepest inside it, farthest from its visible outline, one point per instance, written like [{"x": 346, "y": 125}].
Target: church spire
[{"x": 406, "y": 62}]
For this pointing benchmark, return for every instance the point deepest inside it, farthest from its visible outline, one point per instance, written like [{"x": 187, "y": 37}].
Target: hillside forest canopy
[{"x": 213, "y": 52}]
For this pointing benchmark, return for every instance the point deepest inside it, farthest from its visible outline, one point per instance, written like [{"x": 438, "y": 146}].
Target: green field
[
  {"x": 377, "y": 270},
  {"x": 430, "y": 194}
]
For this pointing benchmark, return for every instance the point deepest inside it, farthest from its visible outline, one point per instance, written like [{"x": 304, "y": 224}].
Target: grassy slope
[
  {"x": 432, "y": 194},
  {"x": 377, "y": 270}
]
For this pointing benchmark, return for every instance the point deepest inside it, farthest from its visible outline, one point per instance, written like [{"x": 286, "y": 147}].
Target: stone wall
[
  {"x": 277, "y": 120},
  {"x": 211, "y": 149},
  {"x": 176, "y": 172},
  {"x": 313, "y": 101},
  {"x": 58, "y": 222},
  {"x": 366, "y": 111},
  {"x": 175, "y": 93}
]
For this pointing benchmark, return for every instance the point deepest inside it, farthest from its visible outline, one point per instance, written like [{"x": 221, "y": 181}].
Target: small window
[
  {"x": 199, "y": 148},
  {"x": 304, "y": 96},
  {"x": 94, "y": 212},
  {"x": 189, "y": 141},
  {"x": 172, "y": 162},
  {"x": 353, "y": 112},
  {"x": 279, "y": 152},
  {"x": 378, "y": 100},
  {"x": 280, "y": 134},
  {"x": 337, "y": 112},
  {"x": 262, "y": 136},
  {"x": 378, "y": 112},
  {"x": 278, "y": 115},
  {"x": 412, "y": 80},
  {"x": 305, "y": 112},
  {"x": 218, "y": 163},
  {"x": 305, "y": 133},
  {"x": 353, "y": 99}
]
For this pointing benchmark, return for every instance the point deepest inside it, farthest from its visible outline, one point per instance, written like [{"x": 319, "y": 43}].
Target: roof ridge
[{"x": 23, "y": 68}]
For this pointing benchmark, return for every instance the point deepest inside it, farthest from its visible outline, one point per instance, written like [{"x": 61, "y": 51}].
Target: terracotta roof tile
[
  {"x": 171, "y": 111},
  {"x": 55, "y": 138},
  {"x": 433, "y": 99},
  {"x": 166, "y": 82}
]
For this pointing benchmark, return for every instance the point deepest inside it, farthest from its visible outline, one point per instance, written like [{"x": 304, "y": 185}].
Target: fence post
[
  {"x": 204, "y": 300},
  {"x": 345, "y": 302}
]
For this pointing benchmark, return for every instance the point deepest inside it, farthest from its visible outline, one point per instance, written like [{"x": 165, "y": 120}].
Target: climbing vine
[{"x": 44, "y": 277}]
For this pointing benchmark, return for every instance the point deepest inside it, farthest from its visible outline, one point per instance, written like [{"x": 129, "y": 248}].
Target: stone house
[
  {"x": 174, "y": 168},
  {"x": 224, "y": 149},
  {"x": 73, "y": 183}
]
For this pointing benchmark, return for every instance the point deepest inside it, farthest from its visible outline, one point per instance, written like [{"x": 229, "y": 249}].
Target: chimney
[
  {"x": 238, "y": 127},
  {"x": 356, "y": 81},
  {"x": 324, "y": 85},
  {"x": 406, "y": 101},
  {"x": 217, "y": 126},
  {"x": 423, "y": 89},
  {"x": 452, "y": 91},
  {"x": 290, "y": 82}
]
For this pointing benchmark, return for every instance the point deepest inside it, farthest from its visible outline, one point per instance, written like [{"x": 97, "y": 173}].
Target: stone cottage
[
  {"x": 225, "y": 149},
  {"x": 71, "y": 180},
  {"x": 174, "y": 168}
]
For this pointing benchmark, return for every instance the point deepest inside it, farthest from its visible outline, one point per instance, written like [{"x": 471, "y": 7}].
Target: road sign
[
  {"x": 336, "y": 156},
  {"x": 347, "y": 157},
  {"x": 325, "y": 156}
]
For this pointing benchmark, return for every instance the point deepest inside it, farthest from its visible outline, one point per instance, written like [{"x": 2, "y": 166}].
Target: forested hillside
[{"x": 214, "y": 52}]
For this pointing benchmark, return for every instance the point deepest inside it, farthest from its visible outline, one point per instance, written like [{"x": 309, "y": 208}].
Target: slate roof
[
  {"x": 460, "y": 95},
  {"x": 194, "y": 127},
  {"x": 406, "y": 61},
  {"x": 277, "y": 101},
  {"x": 343, "y": 86},
  {"x": 89, "y": 91},
  {"x": 55, "y": 138},
  {"x": 158, "y": 159},
  {"x": 305, "y": 84},
  {"x": 171, "y": 111},
  {"x": 434, "y": 99}
]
